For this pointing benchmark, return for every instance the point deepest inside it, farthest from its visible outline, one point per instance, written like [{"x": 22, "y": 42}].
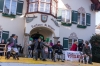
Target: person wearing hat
[
  {"x": 39, "y": 48},
  {"x": 12, "y": 45}
]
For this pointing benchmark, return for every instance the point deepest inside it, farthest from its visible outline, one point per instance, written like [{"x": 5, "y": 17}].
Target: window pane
[
  {"x": 83, "y": 19},
  {"x": 42, "y": 7},
  {"x": 13, "y": 7},
  {"x": 43, "y": 0},
  {"x": 63, "y": 15},
  {"x": 35, "y": 6},
  {"x": 67, "y": 16},
  {"x": 48, "y": 1},
  {"x": 47, "y": 10},
  {"x": 7, "y": 6},
  {"x": 53, "y": 8},
  {"x": 79, "y": 18},
  {"x": 33, "y": 0},
  {"x": 31, "y": 7}
]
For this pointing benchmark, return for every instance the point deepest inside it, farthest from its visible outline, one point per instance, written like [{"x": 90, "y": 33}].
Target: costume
[
  {"x": 39, "y": 48},
  {"x": 12, "y": 46}
]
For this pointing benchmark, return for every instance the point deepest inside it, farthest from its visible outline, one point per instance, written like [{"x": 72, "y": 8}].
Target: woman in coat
[{"x": 74, "y": 46}]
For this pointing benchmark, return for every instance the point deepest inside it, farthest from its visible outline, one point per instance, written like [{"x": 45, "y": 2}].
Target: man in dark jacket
[
  {"x": 87, "y": 52},
  {"x": 39, "y": 47},
  {"x": 80, "y": 46},
  {"x": 58, "y": 50}
]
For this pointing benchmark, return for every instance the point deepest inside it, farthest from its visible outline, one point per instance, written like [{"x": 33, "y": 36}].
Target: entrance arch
[
  {"x": 36, "y": 36},
  {"x": 42, "y": 31}
]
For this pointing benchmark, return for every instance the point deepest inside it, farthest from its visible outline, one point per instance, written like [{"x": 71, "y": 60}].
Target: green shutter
[
  {"x": 59, "y": 15},
  {"x": 88, "y": 19},
  {"x": 80, "y": 41},
  {"x": 5, "y": 35},
  {"x": 74, "y": 17},
  {"x": 20, "y": 7},
  {"x": 1, "y": 5},
  {"x": 65, "y": 43}
]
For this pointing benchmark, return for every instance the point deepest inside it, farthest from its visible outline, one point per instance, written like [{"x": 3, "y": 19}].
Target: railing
[{"x": 3, "y": 46}]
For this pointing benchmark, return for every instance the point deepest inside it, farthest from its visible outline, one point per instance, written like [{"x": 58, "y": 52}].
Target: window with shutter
[
  {"x": 1, "y": 5},
  {"x": 20, "y": 7},
  {"x": 65, "y": 43},
  {"x": 59, "y": 15},
  {"x": 5, "y": 35},
  {"x": 10, "y": 7},
  {"x": 88, "y": 19},
  {"x": 74, "y": 17}
]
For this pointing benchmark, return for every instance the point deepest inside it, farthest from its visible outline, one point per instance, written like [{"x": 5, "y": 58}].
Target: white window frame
[
  {"x": 54, "y": 6},
  {"x": 10, "y": 7},
  {"x": 80, "y": 22},
  {"x": 44, "y": 7},
  {"x": 67, "y": 10}
]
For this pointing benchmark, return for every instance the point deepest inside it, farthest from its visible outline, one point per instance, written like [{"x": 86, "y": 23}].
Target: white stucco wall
[
  {"x": 14, "y": 25},
  {"x": 84, "y": 34},
  {"x": 38, "y": 21}
]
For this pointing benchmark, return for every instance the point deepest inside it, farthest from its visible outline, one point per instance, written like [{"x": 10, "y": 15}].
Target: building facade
[{"x": 64, "y": 20}]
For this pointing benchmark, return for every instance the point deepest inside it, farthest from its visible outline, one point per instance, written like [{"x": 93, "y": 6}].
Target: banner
[{"x": 72, "y": 55}]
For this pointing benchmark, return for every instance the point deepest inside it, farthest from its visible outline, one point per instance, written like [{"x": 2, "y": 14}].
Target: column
[
  {"x": 25, "y": 49},
  {"x": 56, "y": 39}
]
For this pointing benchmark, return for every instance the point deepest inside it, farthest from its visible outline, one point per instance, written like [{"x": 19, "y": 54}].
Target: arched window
[
  {"x": 66, "y": 14},
  {"x": 43, "y": 6},
  {"x": 81, "y": 16}
]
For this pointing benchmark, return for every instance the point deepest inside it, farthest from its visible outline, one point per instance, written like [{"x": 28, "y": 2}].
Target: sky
[{"x": 97, "y": 18}]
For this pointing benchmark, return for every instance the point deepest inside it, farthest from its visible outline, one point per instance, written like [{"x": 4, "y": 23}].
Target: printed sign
[
  {"x": 72, "y": 55},
  {"x": 42, "y": 25}
]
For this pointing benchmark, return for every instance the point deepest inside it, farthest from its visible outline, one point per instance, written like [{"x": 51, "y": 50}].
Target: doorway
[{"x": 36, "y": 36}]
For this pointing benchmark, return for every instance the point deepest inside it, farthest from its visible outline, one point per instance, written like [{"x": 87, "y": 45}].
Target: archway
[
  {"x": 42, "y": 31},
  {"x": 36, "y": 36}
]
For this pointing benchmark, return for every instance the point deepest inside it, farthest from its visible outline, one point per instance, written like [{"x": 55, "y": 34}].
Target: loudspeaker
[{"x": 92, "y": 7}]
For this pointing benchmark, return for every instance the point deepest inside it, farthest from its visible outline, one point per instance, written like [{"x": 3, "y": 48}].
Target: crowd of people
[
  {"x": 43, "y": 49},
  {"x": 46, "y": 49},
  {"x": 84, "y": 48}
]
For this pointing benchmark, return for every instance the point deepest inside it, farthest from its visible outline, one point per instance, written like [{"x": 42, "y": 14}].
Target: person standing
[
  {"x": 39, "y": 47},
  {"x": 80, "y": 46},
  {"x": 87, "y": 52},
  {"x": 50, "y": 50},
  {"x": 74, "y": 46}
]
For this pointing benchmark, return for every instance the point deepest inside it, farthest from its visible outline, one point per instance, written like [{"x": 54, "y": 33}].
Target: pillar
[
  {"x": 56, "y": 39},
  {"x": 25, "y": 49}
]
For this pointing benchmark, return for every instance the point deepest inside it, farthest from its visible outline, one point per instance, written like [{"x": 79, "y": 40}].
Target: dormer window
[{"x": 43, "y": 6}]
